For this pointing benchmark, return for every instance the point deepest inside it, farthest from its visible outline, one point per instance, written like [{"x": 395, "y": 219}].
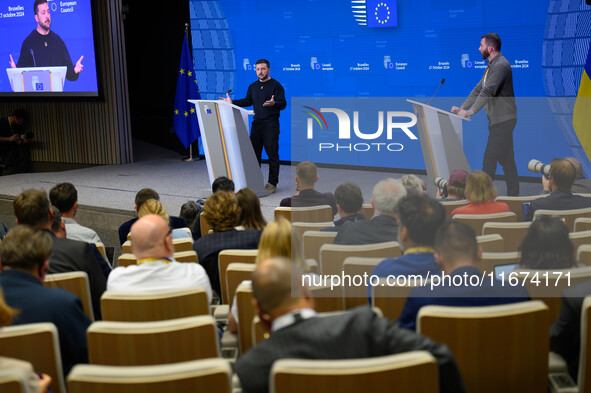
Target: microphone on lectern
[{"x": 440, "y": 84}]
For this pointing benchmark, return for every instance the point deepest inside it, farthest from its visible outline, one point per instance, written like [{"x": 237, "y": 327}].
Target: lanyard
[{"x": 417, "y": 250}]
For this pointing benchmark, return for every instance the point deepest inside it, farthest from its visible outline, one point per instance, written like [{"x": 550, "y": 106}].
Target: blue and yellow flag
[
  {"x": 185, "y": 122},
  {"x": 582, "y": 112}
]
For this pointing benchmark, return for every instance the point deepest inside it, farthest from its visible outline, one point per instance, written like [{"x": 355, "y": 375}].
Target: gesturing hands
[
  {"x": 226, "y": 98},
  {"x": 78, "y": 67},
  {"x": 12, "y": 65},
  {"x": 270, "y": 102}
]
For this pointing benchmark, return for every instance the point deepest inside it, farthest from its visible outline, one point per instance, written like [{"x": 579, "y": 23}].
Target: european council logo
[{"x": 375, "y": 13}]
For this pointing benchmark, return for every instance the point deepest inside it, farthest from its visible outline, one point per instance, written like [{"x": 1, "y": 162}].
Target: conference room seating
[
  {"x": 580, "y": 238},
  {"x": 38, "y": 344},
  {"x": 225, "y": 258},
  {"x": 367, "y": 211},
  {"x": 357, "y": 295},
  {"x": 101, "y": 247},
  {"x": 160, "y": 305},
  {"x": 187, "y": 231},
  {"x": 203, "y": 225},
  {"x": 144, "y": 343},
  {"x": 208, "y": 375},
  {"x": 126, "y": 247},
  {"x": 312, "y": 241},
  {"x": 126, "y": 260},
  {"x": 477, "y": 221},
  {"x": 582, "y": 224},
  {"x": 515, "y": 203},
  {"x": 322, "y": 213},
  {"x": 183, "y": 244},
  {"x": 186, "y": 257},
  {"x": 258, "y": 332},
  {"x": 584, "y": 254},
  {"x": 327, "y": 299},
  {"x": 491, "y": 243},
  {"x": 14, "y": 380},
  {"x": 235, "y": 274},
  {"x": 246, "y": 314},
  {"x": 301, "y": 227},
  {"x": 332, "y": 256},
  {"x": 389, "y": 298},
  {"x": 511, "y": 232},
  {"x": 414, "y": 371},
  {"x": 489, "y": 260},
  {"x": 76, "y": 283},
  {"x": 449, "y": 206},
  {"x": 569, "y": 215},
  {"x": 498, "y": 348}
]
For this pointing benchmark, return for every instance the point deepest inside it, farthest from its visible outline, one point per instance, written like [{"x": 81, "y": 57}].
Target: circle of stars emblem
[{"x": 384, "y": 13}]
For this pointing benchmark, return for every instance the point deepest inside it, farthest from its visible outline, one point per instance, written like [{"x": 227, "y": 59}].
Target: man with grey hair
[
  {"x": 382, "y": 227},
  {"x": 412, "y": 184}
]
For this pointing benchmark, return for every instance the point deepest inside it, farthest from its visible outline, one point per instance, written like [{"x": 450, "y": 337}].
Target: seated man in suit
[
  {"x": 25, "y": 257},
  {"x": 382, "y": 227},
  {"x": 142, "y": 196},
  {"x": 457, "y": 253},
  {"x": 349, "y": 202},
  {"x": 297, "y": 332},
  {"x": 419, "y": 217},
  {"x": 31, "y": 207},
  {"x": 156, "y": 269},
  {"x": 565, "y": 333},
  {"x": 221, "y": 212},
  {"x": 560, "y": 181},
  {"x": 306, "y": 195}
]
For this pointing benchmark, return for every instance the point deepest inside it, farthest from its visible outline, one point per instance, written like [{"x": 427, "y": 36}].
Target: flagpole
[{"x": 190, "y": 158}]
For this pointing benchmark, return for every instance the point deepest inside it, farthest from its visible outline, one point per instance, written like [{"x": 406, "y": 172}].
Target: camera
[
  {"x": 440, "y": 182},
  {"x": 536, "y": 166}
]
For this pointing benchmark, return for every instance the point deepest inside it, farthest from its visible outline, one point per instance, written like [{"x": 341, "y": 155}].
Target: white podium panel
[{"x": 37, "y": 79}]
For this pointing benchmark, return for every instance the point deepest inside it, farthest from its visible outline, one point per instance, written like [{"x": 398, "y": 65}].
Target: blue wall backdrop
[{"x": 332, "y": 48}]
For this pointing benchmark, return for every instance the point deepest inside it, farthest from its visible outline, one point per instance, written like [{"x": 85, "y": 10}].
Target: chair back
[
  {"x": 357, "y": 295},
  {"x": 332, "y": 256},
  {"x": 489, "y": 260},
  {"x": 585, "y": 353},
  {"x": 582, "y": 224},
  {"x": 154, "y": 305},
  {"x": 584, "y": 254},
  {"x": 479, "y": 338},
  {"x": 389, "y": 298},
  {"x": 101, "y": 247},
  {"x": 511, "y": 232},
  {"x": 76, "y": 283},
  {"x": 322, "y": 213},
  {"x": 414, "y": 371},
  {"x": 516, "y": 203},
  {"x": 225, "y": 258},
  {"x": 367, "y": 211},
  {"x": 186, "y": 256},
  {"x": 246, "y": 314},
  {"x": 38, "y": 344},
  {"x": 301, "y": 227},
  {"x": 208, "y": 375},
  {"x": 569, "y": 215},
  {"x": 449, "y": 206},
  {"x": 14, "y": 380},
  {"x": 144, "y": 343},
  {"x": 203, "y": 225},
  {"x": 313, "y": 240},
  {"x": 126, "y": 260},
  {"x": 183, "y": 244},
  {"x": 491, "y": 243},
  {"x": 477, "y": 221},
  {"x": 126, "y": 247},
  {"x": 235, "y": 274},
  {"x": 327, "y": 299},
  {"x": 580, "y": 238}
]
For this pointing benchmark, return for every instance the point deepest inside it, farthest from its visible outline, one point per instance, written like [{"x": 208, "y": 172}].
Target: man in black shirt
[
  {"x": 267, "y": 97},
  {"x": 44, "y": 48}
]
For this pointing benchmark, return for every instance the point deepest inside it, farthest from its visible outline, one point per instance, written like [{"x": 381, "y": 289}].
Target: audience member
[
  {"x": 151, "y": 243},
  {"x": 382, "y": 227},
  {"x": 297, "y": 332},
  {"x": 455, "y": 186},
  {"x": 35, "y": 382},
  {"x": 565, "y": 333},
  {"x": 25, "y": 257},
  {"x": 15, "y": 147},
  {"x": 31, "y": 207},
  {"x": 419, "y": 217},
  {"x": 547, "y": 245},
  {"x": 152, "y": 206},
  {"x": 560, "y": 181},
  {"x": 412, "y": 185},
  {"x": 221, "y": 212},
  {"x": 251, "y": 216},
  {"x": 189, "y": 212},
  {"x": 221, "y": 183},
  {"x": 480, "y": 192},
  {"x": 142, "y": 196},
  {"x": 64, "y": 196},
  {"x": 306, "y": 195},
  {"x": 580, "y": 185},
  {"x": 349, "y": 202},
  {"x": 457, "y": 253},
  {"x": 58, "y": 226}
]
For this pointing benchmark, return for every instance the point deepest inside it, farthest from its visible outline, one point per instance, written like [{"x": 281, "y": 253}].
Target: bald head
[
  {"x": 151, "y": 237},
  {"x": 272, "y": 286}
]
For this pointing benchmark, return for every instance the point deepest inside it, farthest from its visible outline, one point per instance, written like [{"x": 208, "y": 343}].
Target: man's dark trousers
[
  {"x": 266, "y": 134},
  {"x": 499, "y": 148}
]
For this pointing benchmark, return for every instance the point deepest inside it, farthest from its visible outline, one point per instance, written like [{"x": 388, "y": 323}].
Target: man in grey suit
[
  {"x": 296, "y": 332},
  {"x": 382, "y": 227}
]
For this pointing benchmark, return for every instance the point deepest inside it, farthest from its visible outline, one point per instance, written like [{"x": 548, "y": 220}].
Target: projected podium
[
  {"x": 440, "y": 133},
  {"x": 37, "y": 79},
  {"x": 227, "y": 146}
]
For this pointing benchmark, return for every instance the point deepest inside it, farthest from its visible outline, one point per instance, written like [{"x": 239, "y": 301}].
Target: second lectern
[{"x": 226, "y": 144}]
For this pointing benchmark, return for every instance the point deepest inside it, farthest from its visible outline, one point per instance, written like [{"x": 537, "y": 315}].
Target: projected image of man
[{"x": 44, "y": 48}]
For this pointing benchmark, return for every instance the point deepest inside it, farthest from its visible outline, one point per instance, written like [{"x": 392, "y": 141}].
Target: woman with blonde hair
[
  {"x": 251, "y": 216},
  {"x": 480, "y": 192},
  {"x": 153, "y": 206}
]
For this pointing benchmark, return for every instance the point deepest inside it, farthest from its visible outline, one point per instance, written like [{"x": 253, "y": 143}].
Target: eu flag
[
  {"x": 581, "y": 121},
  {"x": 381, "y": 13},
  {"x": 185, "y": 122}
]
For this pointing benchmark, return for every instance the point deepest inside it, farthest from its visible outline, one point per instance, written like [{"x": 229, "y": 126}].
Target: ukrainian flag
[{"x": 582, "y": 112}]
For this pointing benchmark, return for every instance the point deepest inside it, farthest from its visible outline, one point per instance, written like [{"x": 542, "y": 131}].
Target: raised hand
[
  {"x": 270, "y": 102},
  {"x": 226, "y": 98},
  {"x": 12, "y": 65},
  {"x": 78, "y": 67}
]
